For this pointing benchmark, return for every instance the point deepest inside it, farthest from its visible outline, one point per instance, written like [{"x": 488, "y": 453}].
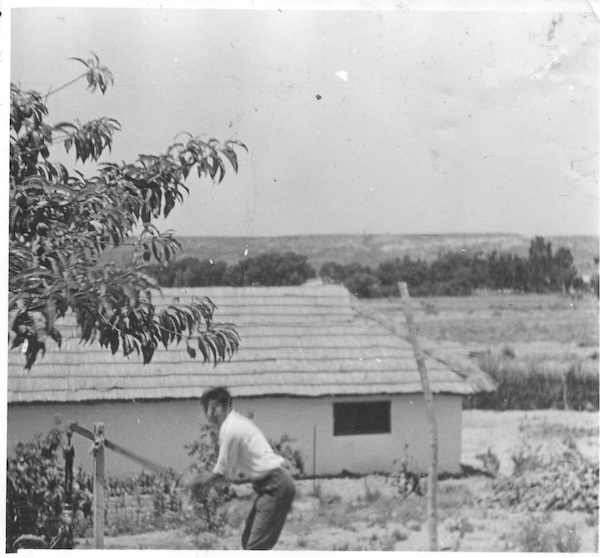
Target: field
[
  {"x": 554, "y": 330},
  {"x": 370, "y": 513}
]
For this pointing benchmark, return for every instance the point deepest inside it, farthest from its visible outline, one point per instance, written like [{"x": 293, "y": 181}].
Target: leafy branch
[{"x": 60, "y": 223}]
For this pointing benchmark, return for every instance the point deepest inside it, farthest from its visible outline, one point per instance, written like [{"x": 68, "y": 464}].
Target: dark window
[{"x": 361, "y": 418}]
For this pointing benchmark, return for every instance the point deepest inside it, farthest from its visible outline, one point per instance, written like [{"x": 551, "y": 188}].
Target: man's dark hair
[{"x": 220, "y": 395}]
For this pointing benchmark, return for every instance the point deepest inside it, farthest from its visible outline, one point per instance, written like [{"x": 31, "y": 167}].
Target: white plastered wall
[{"x": 159, "y": 430}]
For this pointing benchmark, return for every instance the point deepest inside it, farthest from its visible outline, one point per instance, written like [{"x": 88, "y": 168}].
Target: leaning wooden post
[
  {"x": 314, "y": 457},
  {"x": 433, "y": 465},
  {"x": 98, "y": 450}
]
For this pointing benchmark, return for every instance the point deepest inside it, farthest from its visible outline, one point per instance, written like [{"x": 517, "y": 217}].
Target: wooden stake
[
  {"x": 98, "y": 485},
  {"x": 420, "y": 358},
  {"x": 314, "y": 456},
  {"x": 433, "y": 462},
  {"x": 565, "y": 392}
]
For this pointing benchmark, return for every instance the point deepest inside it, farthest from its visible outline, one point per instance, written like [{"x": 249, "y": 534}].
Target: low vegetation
[
  {"x": 374, "y": 512},
  {"x": 534, "y": 385},
  {"x": 139, "y": 504},
  {"x": 541, "y": 481},
  {"x": 35, "y": 490},
  {"x": 538, "y": 533}
]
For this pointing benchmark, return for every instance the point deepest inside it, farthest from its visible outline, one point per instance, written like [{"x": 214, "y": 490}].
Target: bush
[
  {"x": 564, "y": 480},
  {"x": 144, "y": 502},
  {"x": 208, "y": 513},
  {"x": 271, "y": 269},
  {"x": 403, "y": 477},
  {"x": 189, "y": 272},
  {"x": 490, "y": 462},
  {"x": 35, "y": 481},
  {"x": 332, "y": 272},
  {"x": 293, "y": 458},
  {"x": 538, "y": 534},
  {"x": 363, "y": 285}
]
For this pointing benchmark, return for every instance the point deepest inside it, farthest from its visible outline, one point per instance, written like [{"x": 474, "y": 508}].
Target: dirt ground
[{"x": 368, "y": 514}]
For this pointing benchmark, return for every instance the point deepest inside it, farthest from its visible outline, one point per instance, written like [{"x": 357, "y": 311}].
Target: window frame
[{"x": 348, "y": 418}]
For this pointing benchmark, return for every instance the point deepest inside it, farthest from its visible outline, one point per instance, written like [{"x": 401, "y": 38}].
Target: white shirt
[{"x": 244, "y": 452}]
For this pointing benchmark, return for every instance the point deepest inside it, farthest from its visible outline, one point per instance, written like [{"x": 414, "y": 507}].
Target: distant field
[
  {"x": 371, "y": 249},
  {"x": 527, "y": 343},
  {"x": 552, "y": 331},
  {"x": 501, "y": 319}
]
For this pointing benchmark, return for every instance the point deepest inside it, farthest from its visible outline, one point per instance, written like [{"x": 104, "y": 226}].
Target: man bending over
[{"x": 245, "y": 454}]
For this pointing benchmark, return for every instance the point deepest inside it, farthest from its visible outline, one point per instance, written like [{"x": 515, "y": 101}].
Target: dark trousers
[{"x": 275, "y": 494}]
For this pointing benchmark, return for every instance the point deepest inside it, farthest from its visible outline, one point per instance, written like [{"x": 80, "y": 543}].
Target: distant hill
[{"x": 371, "y": 249}]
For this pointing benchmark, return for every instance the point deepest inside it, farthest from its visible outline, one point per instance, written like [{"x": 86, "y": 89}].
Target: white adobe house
[{"x": 343, "y": 387}]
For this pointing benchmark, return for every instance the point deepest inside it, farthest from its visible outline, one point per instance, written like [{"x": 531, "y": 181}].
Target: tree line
[
  {"x": 453, "y": 273},
  {"x": 266, "y": 270}
]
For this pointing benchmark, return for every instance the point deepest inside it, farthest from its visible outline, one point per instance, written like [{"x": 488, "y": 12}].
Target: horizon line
[{"x": 366, "y": 234}]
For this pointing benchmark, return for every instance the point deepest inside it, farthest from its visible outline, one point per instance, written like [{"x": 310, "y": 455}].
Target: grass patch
[
  {"x": 537, "y": 533},
  {"x": 548, "y": 430},
  {"x": 454, "y": 496},
  {"x": 371, "y": 494}
]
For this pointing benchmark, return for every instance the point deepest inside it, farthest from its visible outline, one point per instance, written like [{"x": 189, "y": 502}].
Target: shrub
[
  {"x": 189, "y": 272},
  {"x": 332, "y": 272},
  {"x": 270, "y": 269},
  {"x": 208, "y": 512},
  {"x": 567, "y": 539},
  {"x": 461, "y": 524},
  {"x": 404, "y": 478},
  {"x": 389, "y": 541},
  {"x": 166, "y": 502},
  {"x": 371, "y": 495},
  {"x": 564, "y": 480},
  {"x": 532, "y": 535},
  {"x": 83, "y": 498},
  {"x": 35, "y": 481},
  {"x": 490, "y": 462},
  {"x": 537, "y": 533},
  {"x": 363, "y": 285},
  {"x": 453, "y": 497},
  {"x": 293, "y": 458}
]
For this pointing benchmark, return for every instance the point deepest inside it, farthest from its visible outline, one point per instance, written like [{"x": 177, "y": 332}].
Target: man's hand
[
  {"x": 189, "y": 479},
  {"x": 196, "y": 482}
]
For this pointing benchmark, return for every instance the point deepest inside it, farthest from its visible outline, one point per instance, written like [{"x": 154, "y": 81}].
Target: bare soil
[{"x": 369, "y": 514}]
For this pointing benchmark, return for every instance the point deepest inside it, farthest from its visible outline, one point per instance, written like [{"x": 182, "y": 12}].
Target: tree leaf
[{"x": 190, "y": 351}]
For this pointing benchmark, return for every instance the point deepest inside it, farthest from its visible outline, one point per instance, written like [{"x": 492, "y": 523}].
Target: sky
[{"x": 389, "y": 119}]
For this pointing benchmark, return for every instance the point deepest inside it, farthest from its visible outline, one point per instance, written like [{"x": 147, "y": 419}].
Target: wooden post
[
  {"x": 98, "y": 450},
  {"x": 564, "y": 390},
  {"x": 433, "y": 462},
  {"x": 390, "y": 325},
  {"x": 314, "y": 456}
]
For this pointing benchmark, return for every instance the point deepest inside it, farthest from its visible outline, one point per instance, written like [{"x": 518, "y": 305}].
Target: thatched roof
[{"x": 296, "y": 341}]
